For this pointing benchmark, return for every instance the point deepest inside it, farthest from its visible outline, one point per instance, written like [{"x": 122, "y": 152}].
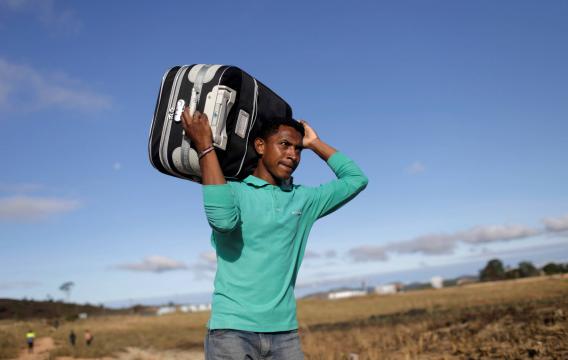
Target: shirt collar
[{"x": 258, "y": 182}]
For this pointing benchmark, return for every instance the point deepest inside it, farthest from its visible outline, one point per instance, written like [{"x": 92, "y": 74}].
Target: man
[{"x": 260, "y": 227}]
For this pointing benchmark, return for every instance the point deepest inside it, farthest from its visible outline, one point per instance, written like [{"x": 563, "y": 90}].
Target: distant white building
[
  {"x": 387, "y": 289},
  {"x": 437, "y": 282},
  {"x": 343, "y": 294},
  {"x": 204, "y": 307},
  {"x": 163, "y": 310},
  {"x": 195, "y": 308}
]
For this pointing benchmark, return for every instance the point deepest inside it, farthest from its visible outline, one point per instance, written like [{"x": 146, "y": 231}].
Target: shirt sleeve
[
  {"x": 221, "y": 207},
  {"x": 350, "y": 181}
]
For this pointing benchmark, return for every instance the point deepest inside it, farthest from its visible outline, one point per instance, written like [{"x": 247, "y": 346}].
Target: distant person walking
[
  {"x": 30, "y": 337},
  {"x": 88, "y": 338},
  {"x": 72, "y": 338}
]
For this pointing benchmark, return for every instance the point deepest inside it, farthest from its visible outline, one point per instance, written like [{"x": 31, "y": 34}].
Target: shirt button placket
[{"x": 277, "y": 209}]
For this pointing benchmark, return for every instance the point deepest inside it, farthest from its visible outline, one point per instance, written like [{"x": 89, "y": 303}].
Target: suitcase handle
[
  {"x": 194, "y": 98},
  {"x": 218, "y": 105}
]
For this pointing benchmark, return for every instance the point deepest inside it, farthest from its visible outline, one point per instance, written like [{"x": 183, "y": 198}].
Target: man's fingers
[
  {"x": 203, "y": 117},
  {"x": 183, "y": 120},
  {"x": 186, "y": 115},
  {"x": 304, "y": 124}
]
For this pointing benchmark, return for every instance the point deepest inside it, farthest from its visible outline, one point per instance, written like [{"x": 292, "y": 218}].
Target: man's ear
[{"x": 259, "y": 146}]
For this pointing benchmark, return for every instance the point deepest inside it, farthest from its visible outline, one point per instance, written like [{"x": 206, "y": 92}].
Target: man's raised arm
[
  {"x": 350, "y": 178},
  {"x": 218, "y": 198}
]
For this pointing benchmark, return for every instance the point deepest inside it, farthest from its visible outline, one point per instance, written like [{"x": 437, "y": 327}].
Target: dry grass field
[{"x": 518, "y": 319}]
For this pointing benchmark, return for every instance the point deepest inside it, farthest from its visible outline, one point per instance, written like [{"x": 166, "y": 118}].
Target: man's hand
[
  {"x": 199, "y": 131},
  {"x": 197, "y": 128},
  {"x": 309, "y": 135},
  {"x": 312, "y": 141}
]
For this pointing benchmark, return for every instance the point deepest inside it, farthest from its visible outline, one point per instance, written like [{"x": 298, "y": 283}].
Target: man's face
[{"x": 281, "y": 152}]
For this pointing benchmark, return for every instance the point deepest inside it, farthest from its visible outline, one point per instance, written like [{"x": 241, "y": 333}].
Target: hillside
[{"x": 11, "y": 309}]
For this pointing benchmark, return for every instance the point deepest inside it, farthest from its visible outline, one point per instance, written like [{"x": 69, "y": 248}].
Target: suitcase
[{"x": 236, "y": 105}]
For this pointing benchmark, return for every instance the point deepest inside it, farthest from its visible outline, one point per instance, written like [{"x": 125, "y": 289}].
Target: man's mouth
[{"x": 288, "y": 166}]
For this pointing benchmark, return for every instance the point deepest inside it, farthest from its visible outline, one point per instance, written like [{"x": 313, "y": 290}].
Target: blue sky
[{"x": 457, "y": 112}]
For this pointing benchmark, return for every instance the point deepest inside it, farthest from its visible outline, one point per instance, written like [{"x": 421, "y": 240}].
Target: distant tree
[
  {"x": 553, "y": 268},
  {"x": 512, "y": 274},
  {"x": 494, "y": 270},
  {"x": 66, "y": 288},
  {"x": 527, "y": 269}
]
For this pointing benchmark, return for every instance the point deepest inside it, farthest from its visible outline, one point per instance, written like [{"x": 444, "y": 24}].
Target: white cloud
[
  {"x": 556, "y": 224},
  {"x": 440, "y": 244},
  {"x": 433, "y": 244},
  {"x": 156, "y": 264},
  {"x": 416, "y": 168},
  {"x": 24, "y": 88},
  {"x": 493, "y": 233},
  {"x": 368, "y": 253},
  {"x": 33, "y": 208},
  {"x": 310, "y": 254},
  {"x": 205, "y": 267},
  {"x": 330, "y": 254},
  {"x": 53, "y": 18}
]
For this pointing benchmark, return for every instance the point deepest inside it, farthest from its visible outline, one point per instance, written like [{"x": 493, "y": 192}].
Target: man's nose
[{"x": 292, "y": 154}]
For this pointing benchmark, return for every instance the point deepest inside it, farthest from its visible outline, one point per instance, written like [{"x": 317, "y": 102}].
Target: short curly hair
[{"x": 271, "y": 127}]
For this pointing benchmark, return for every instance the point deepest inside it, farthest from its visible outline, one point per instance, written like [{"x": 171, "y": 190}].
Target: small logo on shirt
[{"x": 297, "y": 212}]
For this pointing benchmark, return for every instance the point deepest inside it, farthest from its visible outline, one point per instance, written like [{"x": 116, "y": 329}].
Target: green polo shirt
[{"x": 259, "y": 234}]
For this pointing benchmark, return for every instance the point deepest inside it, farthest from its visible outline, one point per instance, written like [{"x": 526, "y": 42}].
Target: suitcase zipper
[
  {"x": 150, "y": 136},
  {"x": 169, "y": 118},
  {"x": 253, "y": 120}
]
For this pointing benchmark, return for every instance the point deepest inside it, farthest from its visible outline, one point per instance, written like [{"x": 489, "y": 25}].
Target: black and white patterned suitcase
[{"x": 235, "y": 103}]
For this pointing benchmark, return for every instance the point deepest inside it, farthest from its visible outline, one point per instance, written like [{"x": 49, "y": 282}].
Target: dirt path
[{"x": 42, "y": 347}]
